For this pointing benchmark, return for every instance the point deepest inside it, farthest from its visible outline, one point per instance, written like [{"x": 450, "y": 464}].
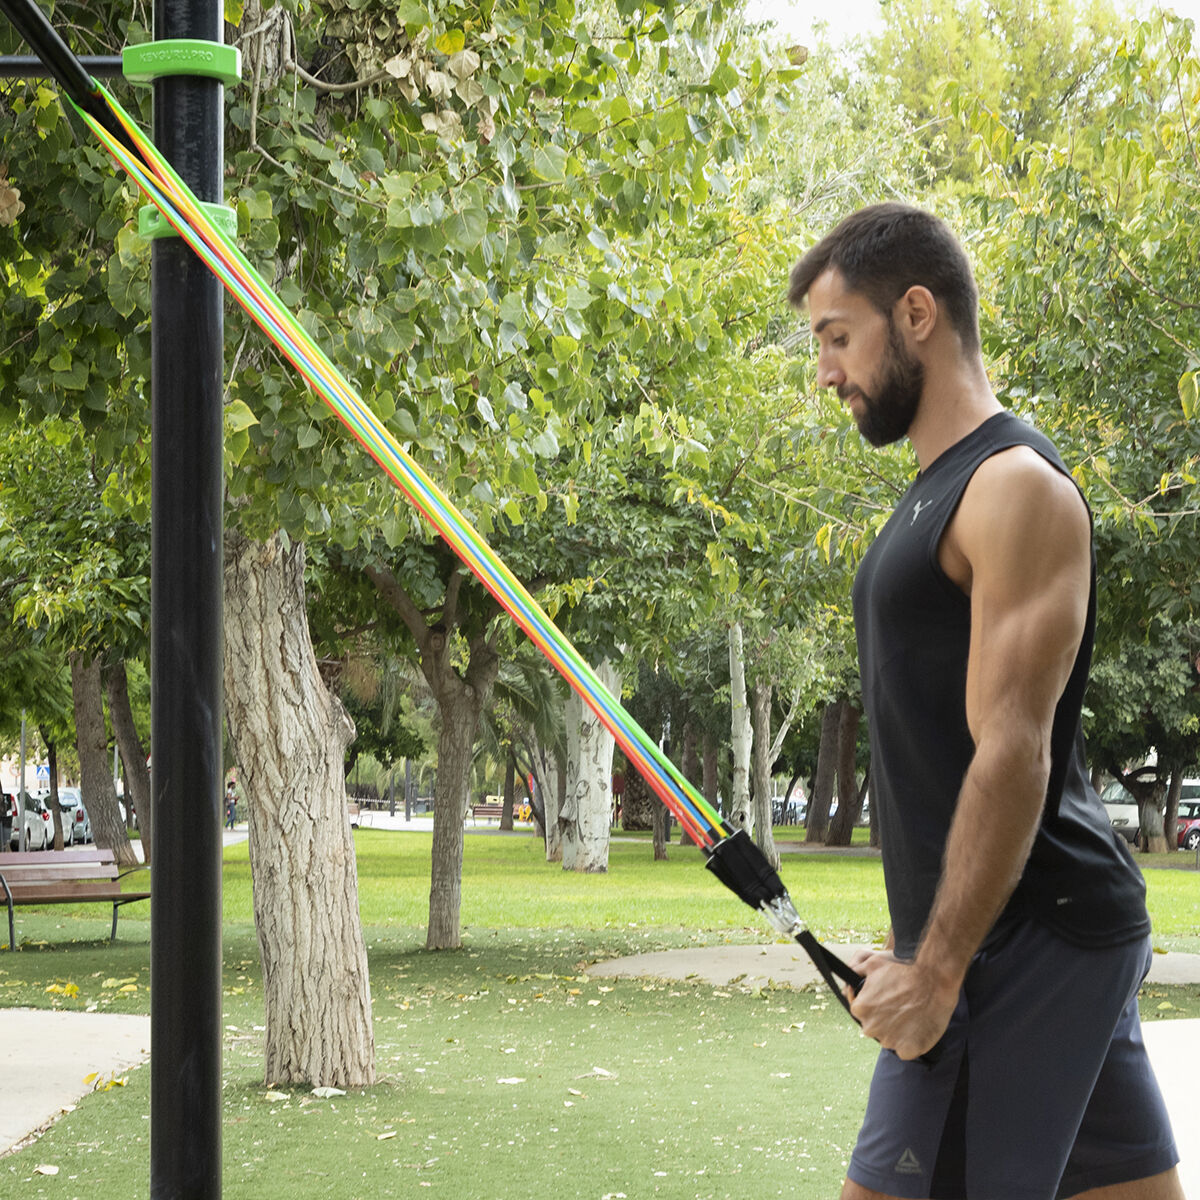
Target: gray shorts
[{"x": 1043, "y": 1089}]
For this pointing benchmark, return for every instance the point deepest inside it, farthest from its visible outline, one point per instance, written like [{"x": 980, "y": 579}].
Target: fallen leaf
[
  {"x": 511, "y": 1079},
  {"x": 45, "y": 1169},
  {"x": 327, "y": 1093},
  {"x": 276, "y": 1096}
]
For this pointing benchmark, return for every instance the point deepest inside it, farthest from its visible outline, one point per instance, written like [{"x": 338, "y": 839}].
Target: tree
[
  {"x": 302, "y": 852},
  {"x": 133, "y": 754},
  {"x": 77, "y": 584},
  {"x": 1090, "y": 257},
  {"x": 471, "y": 208},
  {"x": 1038, "y": 63}
]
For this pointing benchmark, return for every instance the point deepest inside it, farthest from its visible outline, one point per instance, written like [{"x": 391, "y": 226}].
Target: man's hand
[{"x": 903, "y": 1007}]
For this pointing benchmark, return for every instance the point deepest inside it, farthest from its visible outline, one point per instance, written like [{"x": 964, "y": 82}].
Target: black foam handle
[{"x": 829, "y": 965}]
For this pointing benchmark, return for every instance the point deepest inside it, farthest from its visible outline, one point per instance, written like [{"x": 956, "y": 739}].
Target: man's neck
[{"x": 953, "y": 404}]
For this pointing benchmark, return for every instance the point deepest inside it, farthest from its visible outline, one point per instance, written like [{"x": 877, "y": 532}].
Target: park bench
[
  {"x": 62, "y": 877},
  {"x": 492, "y": 810}
]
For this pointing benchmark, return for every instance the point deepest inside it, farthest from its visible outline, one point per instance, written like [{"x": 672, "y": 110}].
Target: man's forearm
[{"x": 995, "y": 823}]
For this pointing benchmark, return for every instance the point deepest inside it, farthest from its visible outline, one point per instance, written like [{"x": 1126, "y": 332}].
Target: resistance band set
[{"x": 731, "y": 855}]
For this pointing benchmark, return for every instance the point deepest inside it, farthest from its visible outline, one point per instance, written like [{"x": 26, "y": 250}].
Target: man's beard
[{"x": 887, "y": 414}]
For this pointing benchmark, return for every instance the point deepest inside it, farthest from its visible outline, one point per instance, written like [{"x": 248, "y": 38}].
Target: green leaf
[
  {"x": 550, "y": 163},
  {"x": 618, "y": 109},
  {"x": 238, "y": 416},
  {"x": 1189, "y": 394},
  {"x": 465, "y": 229},
  {"x": 724, "y": 78},
  {"x": 74, "y": 379},
  {"x": 565, "y": 348},
  {"x": 450, "y": 42}
]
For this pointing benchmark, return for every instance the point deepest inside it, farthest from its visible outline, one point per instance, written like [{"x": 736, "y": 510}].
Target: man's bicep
[{"x": 1028, "y": 538}]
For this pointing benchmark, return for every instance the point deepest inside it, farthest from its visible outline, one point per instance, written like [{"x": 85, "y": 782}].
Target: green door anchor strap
[
  {"x": 143, "y": 65},
  {"x": 151, "y": 60}
]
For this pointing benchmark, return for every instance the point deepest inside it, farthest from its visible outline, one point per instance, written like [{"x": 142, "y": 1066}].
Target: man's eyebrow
[{"x": 822, "y": 323}]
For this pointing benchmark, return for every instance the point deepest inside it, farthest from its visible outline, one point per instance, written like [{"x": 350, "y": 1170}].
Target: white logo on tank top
[{"x": 918, "y": 509}]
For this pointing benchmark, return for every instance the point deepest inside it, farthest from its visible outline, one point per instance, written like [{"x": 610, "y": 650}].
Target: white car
[
  {"x": 77, "y": 825},
  {"x": 39, "y": 825},
  {"x": 1122, "y": 811}
]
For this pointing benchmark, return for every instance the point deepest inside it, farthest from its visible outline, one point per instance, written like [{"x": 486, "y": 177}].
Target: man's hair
[{"x": 883, "y": 250}]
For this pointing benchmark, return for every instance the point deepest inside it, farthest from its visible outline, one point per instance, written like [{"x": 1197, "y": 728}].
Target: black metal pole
[
  {"x": 31, "y": 23},
  {"x": 187, "y": 335},
  {"x": 29, "y": 66}
]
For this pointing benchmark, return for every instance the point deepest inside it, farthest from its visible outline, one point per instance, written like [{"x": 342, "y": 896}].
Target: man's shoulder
[{"x": 1021, "y": 477}]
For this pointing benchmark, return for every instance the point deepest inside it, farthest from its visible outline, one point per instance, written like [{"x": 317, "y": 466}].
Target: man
[{"x": 1019, "y": 928}]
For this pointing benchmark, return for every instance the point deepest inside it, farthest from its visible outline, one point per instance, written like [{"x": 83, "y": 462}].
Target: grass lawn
[{"x": 504, "y": 1070}]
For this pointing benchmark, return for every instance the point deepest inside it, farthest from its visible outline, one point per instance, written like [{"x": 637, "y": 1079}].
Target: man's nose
[{"x": 829, "y": 372}]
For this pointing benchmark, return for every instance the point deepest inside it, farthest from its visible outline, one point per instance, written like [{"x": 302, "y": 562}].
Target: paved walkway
[{"x": 46, "y": 1055}]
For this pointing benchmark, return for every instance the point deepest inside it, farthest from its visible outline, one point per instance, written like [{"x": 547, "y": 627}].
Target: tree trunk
[
  {"x": 639, "y": 805},
  {"x": 1170, "y": 819},
  {"x": 740, "y": 815},
  {"x": 289, "y": 735},
  {"x": 53, "y": 805},
  {"x": 456, "y": 740},
  {"x": 461, "y": 695},
  {"x": 510, "y": 793},
  {"x": 690, "y": 767},
  {"x": 584, "y": 818},
  {"x": 1149, "y": 796},
  {"x": 662, "y": 825},
  {"x": 711, "y": 769},
  {"x": 821, "y": 795},
  {"x": 764, "y": 834},
  {"x": 133, "y": 753},
  {"x": 552, "y": 779},
  {"x": 95, "y": 779},
  {"x": 841, "y": 829}
]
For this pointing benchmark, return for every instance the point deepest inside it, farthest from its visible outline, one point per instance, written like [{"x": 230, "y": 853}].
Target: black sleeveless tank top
[{"x": 913, "y": 626}]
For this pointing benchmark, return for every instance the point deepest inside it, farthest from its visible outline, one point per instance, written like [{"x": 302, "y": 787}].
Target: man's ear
[{"x": 917, "y": 312}]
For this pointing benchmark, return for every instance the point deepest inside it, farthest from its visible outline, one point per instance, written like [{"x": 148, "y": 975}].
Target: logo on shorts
[{"x": 908, "y": 1164}]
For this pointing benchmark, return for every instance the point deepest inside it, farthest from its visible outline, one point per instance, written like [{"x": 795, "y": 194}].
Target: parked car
[
  {"x": 1122, "y": 811},
  {"x": 70, "y": 800},
  {"x": 68, "y": 818},
  {"x": 1188, "y": 824},
  {"x": 39, "y": 825},
  {"x": 1189, "y": 834}
]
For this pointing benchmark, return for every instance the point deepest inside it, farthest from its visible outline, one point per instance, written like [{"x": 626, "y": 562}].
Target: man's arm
[{"x": 1020, "y": 547}]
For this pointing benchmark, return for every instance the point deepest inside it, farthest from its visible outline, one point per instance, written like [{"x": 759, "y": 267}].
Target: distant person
[
  {"x": 230, "y": 807},
  {"x": 1019, "y": 928}
]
